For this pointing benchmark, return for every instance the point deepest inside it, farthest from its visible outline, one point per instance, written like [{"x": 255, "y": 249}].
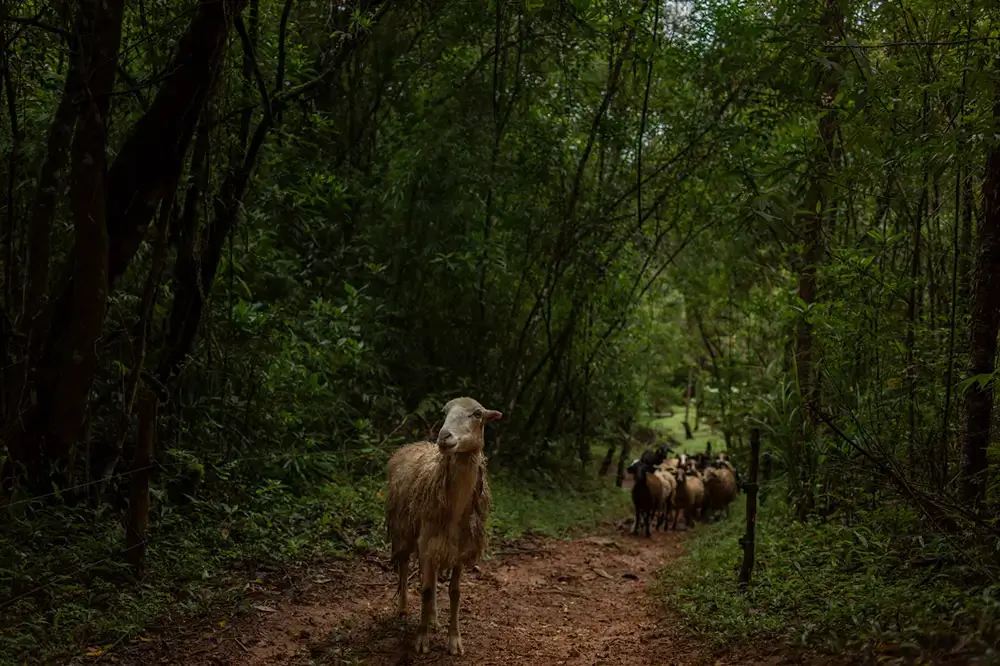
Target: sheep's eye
[{"x": 478, "y": 414}]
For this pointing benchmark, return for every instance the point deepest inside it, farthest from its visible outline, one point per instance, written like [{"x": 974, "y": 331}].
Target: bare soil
[{"x": 539, "y": 601}]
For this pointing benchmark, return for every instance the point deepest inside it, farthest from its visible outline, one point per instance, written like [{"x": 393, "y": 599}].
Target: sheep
[
  {"x": 689, "y": 497},
  {"x": 655, "y": 457},
  {"x": 724, "y": 460},
  {"x": 720, "y": 489},
  {"x": 647, "y": 495},
  {"x": 669, "y": 484},
  {"x": 437, "y": 503}
]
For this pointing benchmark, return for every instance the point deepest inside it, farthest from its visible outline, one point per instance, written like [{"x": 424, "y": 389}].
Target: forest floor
[{"x": 535, "y": 601}]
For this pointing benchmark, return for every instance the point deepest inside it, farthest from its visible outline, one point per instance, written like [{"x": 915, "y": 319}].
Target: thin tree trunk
[
  {"x": 983, "y": 328},
  {"x": 817, "y": 208},
  {"x": 138, "y": 511},
  {"x": 687, "y": 404},
  {"x": 912, "y": 317},
  {"x": 9, "y": 232},
  {"x": 965, "y": 240}
]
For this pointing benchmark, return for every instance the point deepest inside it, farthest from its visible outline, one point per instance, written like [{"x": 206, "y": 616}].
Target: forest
[{"x": 249, "y": 248}]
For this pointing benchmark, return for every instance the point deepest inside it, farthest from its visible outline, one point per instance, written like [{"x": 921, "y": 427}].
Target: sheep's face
[{"x": 464, "y": 421}]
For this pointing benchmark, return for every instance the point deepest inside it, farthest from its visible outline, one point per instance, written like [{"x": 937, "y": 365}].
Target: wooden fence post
[
  {"x": 765, "y": 485},
  {"x": 746, "y": 571},
  {"x": 138, "y": 505}
]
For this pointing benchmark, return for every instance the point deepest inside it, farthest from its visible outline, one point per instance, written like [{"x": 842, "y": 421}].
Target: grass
[
  {"x": 202, "y": 555},
  {"x": 674, "y": 426},
  {"x": 875, "y": 588},
  {"x": 552, "y": 511}
]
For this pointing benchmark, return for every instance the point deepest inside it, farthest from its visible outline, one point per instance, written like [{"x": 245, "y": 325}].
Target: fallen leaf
[
  {"x": 265, "y": 609},
  {"x": 94, "y": 652},
  {"x": 602, "y": 573}
]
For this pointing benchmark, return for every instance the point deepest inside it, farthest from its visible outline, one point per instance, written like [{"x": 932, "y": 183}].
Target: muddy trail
[{"x": 537, "y": 601}]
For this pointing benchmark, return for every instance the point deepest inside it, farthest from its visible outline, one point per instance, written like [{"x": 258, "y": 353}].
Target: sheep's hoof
[
  {"x": 435, "y": 626},
  {"x": 423, "y": 645},
  {"x": 455, "y": 645}
]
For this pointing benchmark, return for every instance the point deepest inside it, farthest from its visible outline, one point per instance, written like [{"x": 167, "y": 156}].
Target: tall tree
[{"x": 983, "y": 327}]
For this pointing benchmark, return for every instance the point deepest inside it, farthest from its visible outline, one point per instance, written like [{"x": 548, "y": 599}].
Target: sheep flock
[
  {"x": 667, "y": 486},
  {"x": 438, "y": 501}
]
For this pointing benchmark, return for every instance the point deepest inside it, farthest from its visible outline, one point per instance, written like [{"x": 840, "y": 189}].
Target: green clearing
[{"x": 674, "y": 426}]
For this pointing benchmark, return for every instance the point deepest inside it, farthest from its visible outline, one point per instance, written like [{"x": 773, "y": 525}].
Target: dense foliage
[{"x": 249, "y": 246}]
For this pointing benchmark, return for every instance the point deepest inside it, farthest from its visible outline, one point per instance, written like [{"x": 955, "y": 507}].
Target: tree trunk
[
  {"x": 52, "y": 427},
  {"x": 687, "y": 404},
  {"x": 912, "y": 317},
  {"x": 817, "y": 208},
  {"x": 8, "y": 230},
  {"x": 57, "y": 148},
  {"x": 983, "y": 332},
  {"x": 608, "y": 459},
  {"x": 965, "y": 240},
  {"x": 143, "y": 170},
  {"x": 154, "y": 151},
  {"x": 138, "y": 509}
]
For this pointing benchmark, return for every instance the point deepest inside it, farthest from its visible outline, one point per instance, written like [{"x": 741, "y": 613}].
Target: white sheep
[{"x": 437, "y": 503}]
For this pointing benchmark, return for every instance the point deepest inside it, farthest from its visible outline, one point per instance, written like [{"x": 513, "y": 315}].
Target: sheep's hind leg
[
  {"x": 428, "y": 589},
  {"x": 403, "y": 569},
  {"x": 434, "y": 625},
  {"x": 454, "y": 594}
]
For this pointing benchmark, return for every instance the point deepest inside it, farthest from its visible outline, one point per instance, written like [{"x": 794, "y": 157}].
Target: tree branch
[{"x": 258, "y": 77}]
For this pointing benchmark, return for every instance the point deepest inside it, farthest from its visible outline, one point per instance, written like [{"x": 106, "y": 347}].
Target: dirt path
[{"x": 542, "y": 601}]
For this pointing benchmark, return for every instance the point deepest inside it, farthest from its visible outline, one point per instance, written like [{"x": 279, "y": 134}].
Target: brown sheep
[
  {"x": 689, "y": 497},
  {"x": 669, "y": 483},
  {"x": 437, "y": 504},
  {"x": 720, "y": 490}
]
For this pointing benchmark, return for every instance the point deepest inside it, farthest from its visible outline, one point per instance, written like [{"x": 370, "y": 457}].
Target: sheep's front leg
[
  {"x": 403, "y": 569},
  {"x": 635, "y": 526},
  {"x": 428, "y": 589},
  {"x": 454, "y": 635}
]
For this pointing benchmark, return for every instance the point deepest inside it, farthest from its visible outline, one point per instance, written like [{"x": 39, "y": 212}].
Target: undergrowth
[
  {"x": 64, "y": 590},
  {"x": 881, "y": 586}
]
